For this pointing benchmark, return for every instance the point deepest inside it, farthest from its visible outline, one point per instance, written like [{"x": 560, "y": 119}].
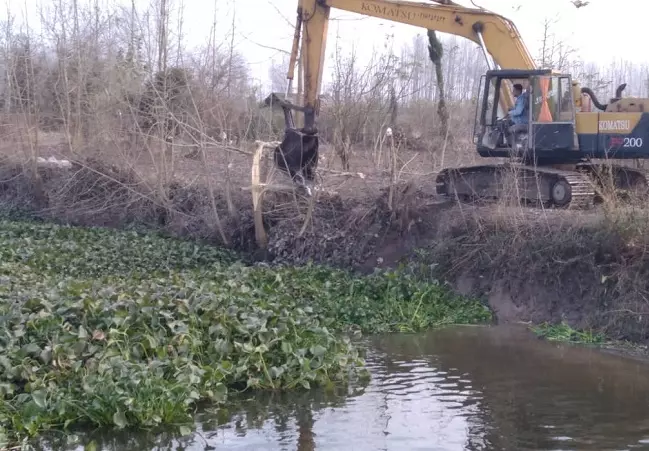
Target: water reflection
[
  {"x": 283, "y": 421},
  {"x": 541, "y": 395},
  {"x": 467, "y": 388}
]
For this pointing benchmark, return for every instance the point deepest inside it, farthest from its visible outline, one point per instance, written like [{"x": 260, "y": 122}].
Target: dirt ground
[{"x": 587, "y": 268}]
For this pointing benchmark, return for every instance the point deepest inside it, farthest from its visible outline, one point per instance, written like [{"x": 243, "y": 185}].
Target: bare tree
[
  {"x": 277, "y": 74},
  {"x": 554, "y": 52}
]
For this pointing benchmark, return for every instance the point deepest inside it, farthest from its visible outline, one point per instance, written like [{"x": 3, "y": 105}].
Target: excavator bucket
[{"x": 297, "y": 154}]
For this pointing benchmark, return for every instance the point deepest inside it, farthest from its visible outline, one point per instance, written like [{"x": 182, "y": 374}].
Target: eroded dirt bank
[{"x": 589, "y": 269}]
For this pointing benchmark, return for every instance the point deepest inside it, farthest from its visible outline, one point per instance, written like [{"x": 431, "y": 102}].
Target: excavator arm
[{"x": 496, "y": 35}]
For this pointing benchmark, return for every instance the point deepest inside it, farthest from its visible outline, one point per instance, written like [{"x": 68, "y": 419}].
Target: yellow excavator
[{"x": 553, "y": 153}]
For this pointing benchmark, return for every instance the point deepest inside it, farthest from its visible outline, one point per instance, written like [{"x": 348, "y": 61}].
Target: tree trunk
[
  {"x": 442, "y": 111},
  {"x": 394, "y": 107},
  {"x": 436, "y": 51}
]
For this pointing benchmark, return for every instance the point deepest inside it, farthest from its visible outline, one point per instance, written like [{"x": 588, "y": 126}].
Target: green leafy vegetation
[
  {"x": 107, "y": 328},
  {"x": 391, "y": 301},
  {"x": 564, "y": 333}
]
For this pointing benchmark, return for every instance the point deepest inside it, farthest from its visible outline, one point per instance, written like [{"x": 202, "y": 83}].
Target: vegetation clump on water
[
  {"x": 100, "y": 327},
  {"x": 563, "y": 332}
]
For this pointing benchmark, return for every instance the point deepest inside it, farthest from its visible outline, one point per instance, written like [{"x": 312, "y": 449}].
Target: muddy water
[{"x": 468, "y": 388}]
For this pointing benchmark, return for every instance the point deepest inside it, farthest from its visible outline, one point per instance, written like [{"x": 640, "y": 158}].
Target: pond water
[{"x": 462, "y": 388}]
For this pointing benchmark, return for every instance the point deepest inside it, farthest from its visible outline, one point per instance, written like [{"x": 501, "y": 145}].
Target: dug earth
[{"x": 587, "y": 269}]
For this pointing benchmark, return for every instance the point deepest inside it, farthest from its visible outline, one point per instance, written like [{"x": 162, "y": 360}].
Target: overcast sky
[
  {"x": 264, "y": 26},
  {"x": 264, "y": 22}
]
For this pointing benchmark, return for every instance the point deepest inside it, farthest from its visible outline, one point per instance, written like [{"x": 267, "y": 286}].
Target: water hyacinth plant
[{"x": 107, "y": 328}]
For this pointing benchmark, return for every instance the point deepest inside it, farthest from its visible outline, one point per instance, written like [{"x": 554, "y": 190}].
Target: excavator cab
[{"x": 549, "y": 128}]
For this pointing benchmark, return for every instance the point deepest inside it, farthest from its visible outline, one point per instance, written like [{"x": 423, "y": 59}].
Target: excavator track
[
  {"x": 548, "y": 186},
  {"x": 582, "y": 189},
  {"x": 626, "y": 179}
]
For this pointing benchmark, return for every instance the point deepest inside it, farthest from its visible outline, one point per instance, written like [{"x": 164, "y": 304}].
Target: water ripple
[{"x": 467, "y": 390}]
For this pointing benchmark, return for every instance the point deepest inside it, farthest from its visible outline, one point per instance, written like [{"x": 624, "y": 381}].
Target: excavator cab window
[
  {"x": 486, "y": 115},
  {"x": 553, "y": 114},
  {"x": 491, "y": 127},
  {"x": 550, "y": 124},
  {"x": 481, "y": 107},
  {"x": 553, "y": 99}
]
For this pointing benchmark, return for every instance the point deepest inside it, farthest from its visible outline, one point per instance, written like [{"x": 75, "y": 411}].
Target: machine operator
[{"x": 519, "y": 113}]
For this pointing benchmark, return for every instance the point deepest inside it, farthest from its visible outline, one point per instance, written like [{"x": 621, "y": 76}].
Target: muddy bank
[{"x": 588, "y": 269}]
